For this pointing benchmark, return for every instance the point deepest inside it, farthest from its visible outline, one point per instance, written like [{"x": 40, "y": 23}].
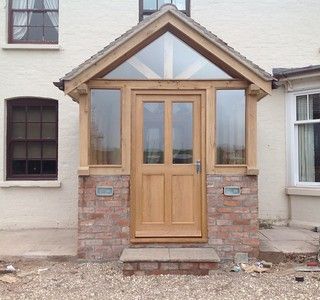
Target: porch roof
[{"x": 166, "y": 9}]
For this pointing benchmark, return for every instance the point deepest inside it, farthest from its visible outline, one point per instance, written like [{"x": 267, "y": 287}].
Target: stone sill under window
[
  {"x": 31, "y": 184},
  {"x": 303, "y": 191},
  {"x": 31, "y": 47}
]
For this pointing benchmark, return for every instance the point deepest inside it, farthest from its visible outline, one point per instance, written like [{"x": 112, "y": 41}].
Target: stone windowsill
[
  {"x": 303, "y": 191},
  {"x": 31, "y": 184},
  {"x": 31, "y": 47}
]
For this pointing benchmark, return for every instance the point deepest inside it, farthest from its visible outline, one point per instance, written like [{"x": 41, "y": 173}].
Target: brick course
[
  {"x": 104, "y": 221},
  {"x": 103, "y": 230}
]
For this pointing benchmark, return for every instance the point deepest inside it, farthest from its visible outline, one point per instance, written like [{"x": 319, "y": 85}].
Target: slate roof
[
  {"x": 189, "y": 21},
  {"x": 280, "y": 73}
]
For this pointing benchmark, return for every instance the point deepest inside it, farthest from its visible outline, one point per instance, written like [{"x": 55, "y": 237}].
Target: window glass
[
  {"x": 167, "y": 57},
  {"x": 308, "y": 110},
  {"x": 34, "y": 21},
  {"x": 153, "y": 133},
  {"x": 147, "y": 7},
  {"x": 182, "y": 133},
  {"x": 230, "y": 126},
  {"x": 31, "y": 122},
  {"x": 105, "y": 138}
]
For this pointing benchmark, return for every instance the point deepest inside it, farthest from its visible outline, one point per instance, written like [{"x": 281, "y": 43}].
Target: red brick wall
[
  {"x": 103, "y": 229},
  {"x": 233, "y": 221},
  {"x": 104, "y": 221}
]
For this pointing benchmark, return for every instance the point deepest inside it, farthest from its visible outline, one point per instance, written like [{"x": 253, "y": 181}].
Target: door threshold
[{"x": 137, "y": 240}]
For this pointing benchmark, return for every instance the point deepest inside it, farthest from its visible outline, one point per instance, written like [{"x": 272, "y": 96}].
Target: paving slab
[
  {"x": 169, "y": 255},
  {"x": 288, "y": 240},
  {"x": 194, "y": 254},
  {"x": 144, "y": 254},
  {"x": 38, "y": 242}
]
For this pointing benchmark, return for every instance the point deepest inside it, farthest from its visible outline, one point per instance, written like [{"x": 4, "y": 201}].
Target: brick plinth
[
  {"x": 103, "y": 229},
  {"x": 104, "y": 221},
  {"x": 233, "y": 221},
  {"x": 168, "y": 268}
]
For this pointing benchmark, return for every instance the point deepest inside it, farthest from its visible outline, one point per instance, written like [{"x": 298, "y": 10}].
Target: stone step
[{"x": 155, "y": 261}]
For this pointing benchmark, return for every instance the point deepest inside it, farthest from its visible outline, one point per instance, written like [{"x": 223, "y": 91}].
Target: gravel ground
[{"x": 73, "y": 280}]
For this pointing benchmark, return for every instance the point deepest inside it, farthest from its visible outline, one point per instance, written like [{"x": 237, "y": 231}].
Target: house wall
[{"x": 271, "y": 33}]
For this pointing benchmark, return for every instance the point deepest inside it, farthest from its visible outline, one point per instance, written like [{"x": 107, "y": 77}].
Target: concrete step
[{"x": 154, "y": 261}]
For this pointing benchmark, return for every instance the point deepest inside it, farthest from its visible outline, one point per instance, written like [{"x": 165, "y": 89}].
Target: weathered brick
[{"x": 148, "y": 266}]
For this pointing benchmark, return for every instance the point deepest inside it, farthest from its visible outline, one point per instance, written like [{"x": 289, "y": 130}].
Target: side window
[
  {"x": 32, "y": 139},
  {"x": 148, "y": 7},
  {"x": 307, "y": 137},
  {"x": 33, "y": 21},
  {"x": 230, "y": 127}
]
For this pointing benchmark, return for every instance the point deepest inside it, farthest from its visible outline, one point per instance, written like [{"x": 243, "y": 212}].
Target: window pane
[
  {"x": 35, "y": 34},
  {"x": 19, "y": 150},
  {"x": 18, "y": 130},
  {"x": 20, "y": 18},
  {"x": 34, "y": 131},
  {"x": 36, "y": 19},
  {"x": 35, "y": 4},
  {"x": 51, "y": 4},
  {"x": 180, "y": 4},
  {"x": 34, "y": 114},
  {"x": 162, "y": 2},
  {"x": 34, "y": 166},
  {"x": 20, "y": 33},
  {"x": 51, "y": 19},
  {"x": 302, "y": 104},
  {"x": 49, "y": 167},
  {"x": 167, "y": 57},
  {"x": 51, "y": 34},
  {"x": 49, "y": 130},
  {"x": 230, "y": 126},
  {"x": 153, "y": 133},
  {"x": 314, "y": 106},
  {"x": 309, "y": 152},
  {"x": 105, "y": 141},
  {"x": 182, "y": 139},
  {"x": 49, "y": 150},
  {"x": 34, "y": 150},
  {"x": 19, "y": 114},
  {"x": 19, "y": 167},
  {"x": 19, "y": 4},
  {"x": 49, "y": 114},
  {"x": 150, "y": 4}
]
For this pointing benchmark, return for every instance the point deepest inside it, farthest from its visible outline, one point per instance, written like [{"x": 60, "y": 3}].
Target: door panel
[
  {"x": 166, "y": 184},
  {"x": 153, "y": 199}
]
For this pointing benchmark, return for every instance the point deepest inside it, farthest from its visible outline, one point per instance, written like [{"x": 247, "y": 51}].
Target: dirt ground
[{"x": 44, "y": 279}]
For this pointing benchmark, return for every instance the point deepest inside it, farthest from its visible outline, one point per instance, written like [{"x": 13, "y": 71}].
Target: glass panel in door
[
  {"x": 182, "y": 132},
  {"x": 153, "y": 132}
]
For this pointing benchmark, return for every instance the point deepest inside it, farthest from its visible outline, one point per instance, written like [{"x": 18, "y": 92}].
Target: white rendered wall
[{"x": 271, "y": 33}]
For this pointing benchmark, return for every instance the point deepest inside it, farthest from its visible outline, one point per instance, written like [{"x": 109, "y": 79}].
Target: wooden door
[{"x": 167, "y": 157}]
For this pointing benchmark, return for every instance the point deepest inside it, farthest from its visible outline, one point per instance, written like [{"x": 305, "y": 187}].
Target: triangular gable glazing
[{"x": 167, "y": 57}]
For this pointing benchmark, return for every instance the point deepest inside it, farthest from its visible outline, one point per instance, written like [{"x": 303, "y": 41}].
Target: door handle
[{"x": 198, "y": 166}]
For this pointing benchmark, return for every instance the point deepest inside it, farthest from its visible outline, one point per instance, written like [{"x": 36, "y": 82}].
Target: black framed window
[
  {"x": 32, "y": 139},
  {"x": 33, "y": 21},
  {"x": 148, "y": 7}
]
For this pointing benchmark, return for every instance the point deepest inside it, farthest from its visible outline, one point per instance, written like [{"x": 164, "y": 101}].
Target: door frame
[{"x": 204, "y": 230}]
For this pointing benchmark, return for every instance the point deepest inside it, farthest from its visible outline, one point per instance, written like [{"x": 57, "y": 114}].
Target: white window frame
[{"x": 292, "y": 138}]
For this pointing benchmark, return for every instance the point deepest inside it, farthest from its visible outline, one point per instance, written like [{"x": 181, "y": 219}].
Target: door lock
[{"x": 198, "y": 166}]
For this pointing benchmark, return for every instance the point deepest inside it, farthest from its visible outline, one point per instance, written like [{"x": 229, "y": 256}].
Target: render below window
[{"x": 32, "y": 139}]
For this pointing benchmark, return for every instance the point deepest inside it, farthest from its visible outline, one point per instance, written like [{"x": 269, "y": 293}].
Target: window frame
[
  {"x": 24, "y": 102},
  {"x": 10, "y": 25},
  {"x": 147, "y": 12},
  {"x": 293, "y": 151}
]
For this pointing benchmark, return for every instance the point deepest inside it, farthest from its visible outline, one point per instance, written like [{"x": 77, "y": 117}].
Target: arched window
[{"x": 32, "y": 139}]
